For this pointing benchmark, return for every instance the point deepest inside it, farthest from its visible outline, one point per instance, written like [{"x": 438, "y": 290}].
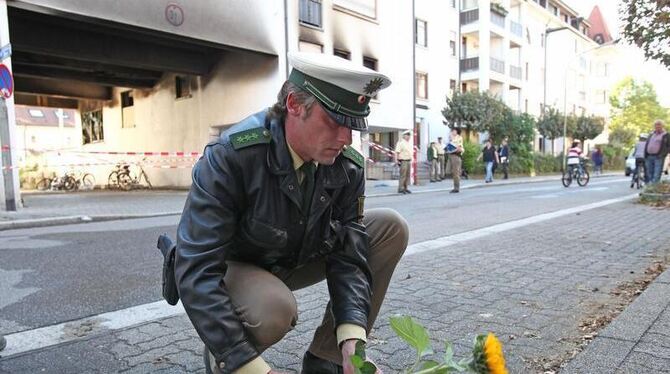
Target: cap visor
[{"x": 354, "y": 123}]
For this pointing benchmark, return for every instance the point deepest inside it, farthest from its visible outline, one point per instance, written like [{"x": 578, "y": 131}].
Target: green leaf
[
  {"x": 368, "y": 368},
  {"x": 448, "y": 353},
  {"x": 357, "y": 361},
  {"x": 413, "y": 333}
]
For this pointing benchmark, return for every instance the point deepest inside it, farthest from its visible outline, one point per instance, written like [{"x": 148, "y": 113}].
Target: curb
[
  {"x": 69, "y": 220},
  {"x": 615, "y": 342}
]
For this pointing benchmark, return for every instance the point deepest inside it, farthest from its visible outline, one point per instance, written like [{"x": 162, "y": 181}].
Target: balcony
[
  {"x": 469, "y": 16},
  {"x": 497, "y": 65},
  {"x": 516, "y": 28},
  {"x": 515, "y": 72},
  {"x": 498, "y": 19},
  {"x": 469, "y": 64}
]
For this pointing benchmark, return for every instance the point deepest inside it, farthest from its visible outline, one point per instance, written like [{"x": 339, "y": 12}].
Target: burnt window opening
[{"x": 182, "y": 86}]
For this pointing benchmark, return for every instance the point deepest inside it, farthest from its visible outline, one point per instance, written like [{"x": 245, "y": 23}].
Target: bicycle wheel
[
  {"x": 113, "y": 180},
  {"x": 69, "y": 183},
  {"x": 566, "y": 179},
  {"x": 583, "y": 178},
  {"x": 43, "y": 184},
  {"x": 87, "y": 182},
  {"x": 125, "y": 181}
]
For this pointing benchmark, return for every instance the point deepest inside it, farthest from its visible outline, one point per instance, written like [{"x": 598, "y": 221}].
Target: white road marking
[{"x": 47, "y": 336}]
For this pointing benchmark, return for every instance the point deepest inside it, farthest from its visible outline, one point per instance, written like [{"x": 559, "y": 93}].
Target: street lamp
[
  {"x": 546, "y": 34},
  {"x": 565, "y": 92}
]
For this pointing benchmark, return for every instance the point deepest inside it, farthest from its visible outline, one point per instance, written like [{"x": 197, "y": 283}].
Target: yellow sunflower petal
[{"x": 495, "y": 360}]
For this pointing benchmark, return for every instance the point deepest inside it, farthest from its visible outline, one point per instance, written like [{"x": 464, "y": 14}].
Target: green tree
[
  {"x": 634, "y": 107},
  {"x": 622, "y": 137},
  {"x": 474, "y": 110},
  {"x": 646, "y": 25},
  {"x": 584, "y": 128},
  {"x": 551, "y": 124}
]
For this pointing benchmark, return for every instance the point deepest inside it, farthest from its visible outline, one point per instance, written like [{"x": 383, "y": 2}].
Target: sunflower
[{"x": 488, "y": 356}]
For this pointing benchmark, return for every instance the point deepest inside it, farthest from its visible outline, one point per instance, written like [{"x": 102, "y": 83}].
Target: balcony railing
[
  {"x": 469, "y": 16},
  {"x": 497, "y": 19},
  {"x": 469, "y": 64},
  {"x": 516, "y": 28},
  {"x": 515, "y": 72},
  {"x": 497, "y": 65}
]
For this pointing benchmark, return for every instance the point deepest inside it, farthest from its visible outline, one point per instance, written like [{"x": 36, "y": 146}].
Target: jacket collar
[{"x": 280, "y": 162}]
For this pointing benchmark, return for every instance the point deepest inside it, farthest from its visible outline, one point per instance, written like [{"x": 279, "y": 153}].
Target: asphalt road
[{"x": 61, "y": 273}]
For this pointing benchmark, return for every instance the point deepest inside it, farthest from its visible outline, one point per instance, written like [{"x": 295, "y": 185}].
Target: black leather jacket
[{"x": 245, "y": 205}]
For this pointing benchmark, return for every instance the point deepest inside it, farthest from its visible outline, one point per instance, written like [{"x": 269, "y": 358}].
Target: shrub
[
  {"x": 547, "y": 163},
  {"x": 472, "y": 151}
]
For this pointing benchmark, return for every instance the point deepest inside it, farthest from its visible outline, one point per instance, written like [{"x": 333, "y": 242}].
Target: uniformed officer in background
[
  {"x": 403, "y": 155},
  {"x": 276, "y": 205}
]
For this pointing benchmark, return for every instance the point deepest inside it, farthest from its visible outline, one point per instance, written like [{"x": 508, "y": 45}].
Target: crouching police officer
[{"x": 276, "y": 205}]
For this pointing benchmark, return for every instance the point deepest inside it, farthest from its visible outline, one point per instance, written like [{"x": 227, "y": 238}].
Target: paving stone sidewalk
[{"x": 531, "y": 286}]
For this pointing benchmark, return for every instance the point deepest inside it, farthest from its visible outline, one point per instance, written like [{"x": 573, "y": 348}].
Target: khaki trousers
[
  {"x": 443, "y": 166},
  {"x": 404, "y": 176},
  {"x": 455, "y": 162},
  {"x": 434, "y": 170},
  {"x": 265, "y": 301}
]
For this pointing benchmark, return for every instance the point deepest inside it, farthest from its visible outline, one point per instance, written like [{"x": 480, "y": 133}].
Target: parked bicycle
[
  {"x": 121, "y": 177},
  {"x": 576, "y": 170},
  {"x": 69, "y": 181}
]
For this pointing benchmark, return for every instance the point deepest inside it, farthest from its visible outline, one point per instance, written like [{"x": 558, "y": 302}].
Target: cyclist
[
  {"x": 574, "y": 158},
  {"x": 640, "y": 166}
]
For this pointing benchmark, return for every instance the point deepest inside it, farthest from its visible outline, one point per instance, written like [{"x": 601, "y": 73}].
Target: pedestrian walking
[
  {"x": 597, "y": 158},
  {"x": 276, "y": 204},
  {"x": 403, "y": 155},
  {"x": 455, "y": 151},
  {"x": 441, "y": 159},
  {"x": 503, "y": 156},
  {"x": 490, "y": 157},
  {"x": 433, "y": 161},
  {"x": 656, "y": 149}
]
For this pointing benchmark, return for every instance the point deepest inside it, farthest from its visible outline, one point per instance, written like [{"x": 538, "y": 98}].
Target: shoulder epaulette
[
  {"x": 246, "y": 138},
  {"x": 352, "y": 154}
]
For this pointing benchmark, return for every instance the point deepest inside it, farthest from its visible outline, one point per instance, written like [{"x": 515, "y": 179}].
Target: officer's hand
[{"x": 348, "y": 349}]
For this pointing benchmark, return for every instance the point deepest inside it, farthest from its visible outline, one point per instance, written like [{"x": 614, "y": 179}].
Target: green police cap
[{"x": 342, "y": 88}]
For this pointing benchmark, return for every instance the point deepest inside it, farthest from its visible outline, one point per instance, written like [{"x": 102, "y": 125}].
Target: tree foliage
[
  {"x": 646, "y": 25},
  {"x": 584, "y": 127},
  {"x": 474, "y": 110},
  {"x": 551, "y": 124},
  {"x": 634, "y": 108}
]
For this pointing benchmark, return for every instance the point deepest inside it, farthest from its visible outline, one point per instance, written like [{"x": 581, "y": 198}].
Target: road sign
[
  {"x": 5, "y": 51},
  {"x": 6, "y": 82}
]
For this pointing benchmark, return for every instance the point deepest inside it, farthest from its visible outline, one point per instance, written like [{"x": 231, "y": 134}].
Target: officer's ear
[{"x": 293, "y": 106}]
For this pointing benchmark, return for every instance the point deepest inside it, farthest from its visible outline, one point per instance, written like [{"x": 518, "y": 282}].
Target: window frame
[{"x": 425, "y": 32}]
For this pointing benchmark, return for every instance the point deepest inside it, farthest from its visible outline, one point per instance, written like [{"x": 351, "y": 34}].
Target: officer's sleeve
[
  {"x": 205, "y": 233},
  {"x": 347, "y": 271}
]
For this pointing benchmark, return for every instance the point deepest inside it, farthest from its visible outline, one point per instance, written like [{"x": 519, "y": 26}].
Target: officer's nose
[{"x": 344, "y": 135}]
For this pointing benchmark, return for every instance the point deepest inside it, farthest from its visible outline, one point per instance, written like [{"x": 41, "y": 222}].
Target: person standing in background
[
  {"x": 656, "y": 149},
  {"x": 441, "y": 160},
  {"x": 455, "y": 151},
  {"x": 503, "y": 155},
  {"x": 403, "y": 155},
  {"x": 432, "y": 160},
  {"x": 597, "y": 158}
]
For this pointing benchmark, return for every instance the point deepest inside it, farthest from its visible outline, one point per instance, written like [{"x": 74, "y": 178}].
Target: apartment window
[
  {"x": 182, "y": 86},
  {"x": 452, "y": 86},
  {"x": 127, "y": 109},
  {"x": 601, "y": 69},
  {"x": 422, "y": 86},
  {"x": 370, "y": 63},
  {"x": 601, "y": 97},
  {"x": 421, "y": 28},
  {"x": 367, "y": 8},
  {"x": 342, "y": 54},
  {"x": 453, "y": 3},
  {"x": 310, "y": 12},
  {"x": 553, "y": 9},
  {"x": 304, "y": 46},
  {"x": 91, "y": 127},
  {"x": 565, "y": 18}
]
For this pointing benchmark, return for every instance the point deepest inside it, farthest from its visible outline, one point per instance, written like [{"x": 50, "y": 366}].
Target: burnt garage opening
[{"x": 61, "y": 58}]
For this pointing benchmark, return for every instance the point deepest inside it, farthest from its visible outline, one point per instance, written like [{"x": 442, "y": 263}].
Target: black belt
[{"x": 404, "y": 160}]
